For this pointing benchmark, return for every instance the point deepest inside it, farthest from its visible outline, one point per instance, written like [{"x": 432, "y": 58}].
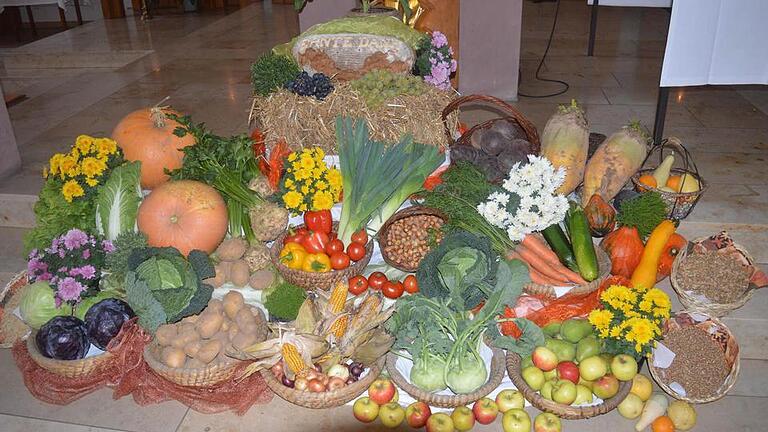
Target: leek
[{"x": 377, "y": 178}]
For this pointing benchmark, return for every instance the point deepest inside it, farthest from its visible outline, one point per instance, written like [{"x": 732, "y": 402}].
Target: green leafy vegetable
[
  {"x": 377, "y": 178},
  {"x": 138, "y": 295},
  {"x": 161, "y": 274},
  {"x": 531, "y": 337},
  {"x": 55, "y": 216},
  {"x": 284, "y": 300},
  {"x": 37, "y": 305},
  {"x": 271, "y": 72},
  {"x": 117, "y": 201},
  {"x": 116, "y": 263},
  {"x": 643, "y": 212}
]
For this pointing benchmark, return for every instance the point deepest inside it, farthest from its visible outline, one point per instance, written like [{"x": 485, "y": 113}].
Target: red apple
[
  {"x": 485, "y": 411},
  {"x": 365, "y": 410},
  {"x": 417, "y": 414},
  {"x": 463, "y": 419},
  {"x": 606, "y": 387},
  {"x": 381, "y": 391},
  {"x": 440, "y": 422},
  {"x": 569, "y": 371},
  {"x": 544, "y": 358},
  {"x": 546, "y": 422}
]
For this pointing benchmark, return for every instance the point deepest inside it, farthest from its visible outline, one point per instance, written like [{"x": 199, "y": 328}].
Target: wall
[
  {"x": 10, "y": 161},
  {"x": 318, "y": 11}
]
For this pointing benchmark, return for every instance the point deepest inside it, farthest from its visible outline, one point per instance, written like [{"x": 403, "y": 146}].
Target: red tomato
[
  {"x": 410, "y": 284},
  {"x": 296, "y": 236},
  {"x": 360, "y": 237},
  {"x": 356, "y": 251},
  {"x": 377, "y": 280},
  {"x": 339, "y": 261},
  {"x": 358, "y": 284},
  {"x": 334, "y": 246},
  {"x": 392, "y": 290}
]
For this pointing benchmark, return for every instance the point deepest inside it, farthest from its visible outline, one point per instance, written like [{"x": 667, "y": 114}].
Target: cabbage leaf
[{"x": 117, "y": 201}]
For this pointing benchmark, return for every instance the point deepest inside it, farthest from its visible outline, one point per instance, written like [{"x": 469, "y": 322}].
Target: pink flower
[
  {"x": 454, "y": 65},
  {"x": 86, "y": 271},
  {"x": 69, "y": 289},
  {"x": 86, "y": 254},
  {"x": 75, "y": 238},
  {"x": 108, "y": 246},
  {"x": 439, "y": 39}
]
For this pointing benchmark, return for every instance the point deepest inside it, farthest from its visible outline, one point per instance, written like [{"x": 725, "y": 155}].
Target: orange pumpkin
[
  {"x": 674, "y": 245},
  {"x": 600, "y": 215},
  {"x": 625, "y": 248},
  {"x": 185, "y": 214},
  {"x": 147, "y": 135}
]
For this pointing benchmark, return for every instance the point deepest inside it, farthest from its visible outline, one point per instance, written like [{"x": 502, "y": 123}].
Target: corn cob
[
  {"x": 339, "y": 327},
  {"x": 292, "y": 358},
  {"x": 368, "y": 309},
  {"x": 338, "y": 297}
]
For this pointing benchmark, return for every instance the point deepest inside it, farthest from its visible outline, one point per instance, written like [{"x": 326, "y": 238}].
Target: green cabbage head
[{"x": 37, "y": 305}]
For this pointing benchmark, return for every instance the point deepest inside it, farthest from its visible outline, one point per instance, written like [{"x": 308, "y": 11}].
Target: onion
[
  {"x": 301, "y": 384},
  {"x": 316, "y": 386}
]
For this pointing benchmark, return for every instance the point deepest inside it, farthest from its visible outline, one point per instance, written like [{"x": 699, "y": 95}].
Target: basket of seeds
[
  {"x": 698, "y": 358},
  {"x": 408, "y": 235},
  {"x": 715, "y": 275}
]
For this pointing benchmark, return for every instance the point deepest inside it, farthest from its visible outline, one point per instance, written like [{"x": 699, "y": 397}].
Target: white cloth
[
  {"x": 4, "y": 3},
  {"x": 634, "y": 3},
  {"x": 716, "y": 42}
]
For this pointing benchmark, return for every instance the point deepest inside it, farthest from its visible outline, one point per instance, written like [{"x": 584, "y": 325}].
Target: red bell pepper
[
  {"x": 320, "y": 220},
  {"x": 296, "y": 235},
  {"x": 315, "y": 242}
]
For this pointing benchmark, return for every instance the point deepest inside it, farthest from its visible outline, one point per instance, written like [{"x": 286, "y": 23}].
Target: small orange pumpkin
[
  {"x": 147, "y": 135},
  {"x": 600, "y": 215},
  {"x": 625, "y": 248},
  {"x": 674, "y": 245},
  {"x": 184, "y": 214}
]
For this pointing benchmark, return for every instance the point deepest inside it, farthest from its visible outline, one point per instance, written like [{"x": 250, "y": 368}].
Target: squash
[
  {"x": 565, "y": 143},
  {"x": 601, "y": 216},
  {"x": 147, "y": 136},
  {"x": 184, "y": 214},
  {"x": 673, "y": 247},
  {"x": 625, "y": 248},
  {"x": 661, "y": 173},
  {"x": 644, "y": 275},
  {"x": 616, "y": 160}
]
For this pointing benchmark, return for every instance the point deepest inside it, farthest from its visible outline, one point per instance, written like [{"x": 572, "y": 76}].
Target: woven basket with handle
[
  {"x": 67, "y": 368},
  {"x": 384, "y": 231},
  {"x": 449, "y": 401},
  {"x": 327, "y": 399},
  {"x": 567, "y": 412}
]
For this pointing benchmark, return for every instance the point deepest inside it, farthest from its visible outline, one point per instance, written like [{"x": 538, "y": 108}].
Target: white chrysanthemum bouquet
[{"x": 527, "y": 201}]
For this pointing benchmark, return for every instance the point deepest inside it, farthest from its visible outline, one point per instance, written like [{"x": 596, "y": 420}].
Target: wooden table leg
[
  {"x": 78, "y": 13},
  {"x": 63, "y": 18},
  {"x": 31, "y": 21}
]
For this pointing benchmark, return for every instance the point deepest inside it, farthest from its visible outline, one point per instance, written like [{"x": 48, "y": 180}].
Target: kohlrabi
[{"x": 428, "y": 372}]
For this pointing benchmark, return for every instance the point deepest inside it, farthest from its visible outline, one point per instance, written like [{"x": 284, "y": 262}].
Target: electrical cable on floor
[{"x": 566, "y": 86}]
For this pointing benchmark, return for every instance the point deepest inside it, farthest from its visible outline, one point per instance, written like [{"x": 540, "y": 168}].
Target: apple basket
[{"x": 567, "y": 412}]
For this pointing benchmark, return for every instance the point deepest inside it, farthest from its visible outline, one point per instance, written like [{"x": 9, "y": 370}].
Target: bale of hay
[{"x": 305, "y": 121}]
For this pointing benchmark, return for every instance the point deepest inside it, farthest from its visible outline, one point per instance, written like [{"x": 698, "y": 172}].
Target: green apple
[
  {"x": 575, "y": 329},
  {"x": 631, "y": 407},
  {"x": 552, "y": 329},
  {"x": 463, "y": 419},
  {"x": 564, "y": 392},
  {"x": 391, "y": 415},
  {"x": 565, "y": 351},
  {"x": 587, "y": 347},
  {"x": 509, "y": 399},
  {"x": 585, "y": 383},
  {"x": 592, "y": 368},
  {"x": 546, "y": 389},
  {"x": 550, "y": 375},
  {"x": 440, "y": 422},
  {"x": 547, "y": 422},
  {"x": 516, "y": 420},
  {"x": 534, "y": 377},
  {"x": 583, "y": 395},
  {"x": 606, "y": 387},
  {"x": 608, "y": 358},
  {"x": 624, "y": 367},
  {"x": 365, "y": 410},
  {"x": 527, "y": 361},
  {"x": 642, "y": 387}
]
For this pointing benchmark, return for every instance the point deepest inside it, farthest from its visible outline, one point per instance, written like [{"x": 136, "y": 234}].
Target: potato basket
[{"x": 679, "y": 204}]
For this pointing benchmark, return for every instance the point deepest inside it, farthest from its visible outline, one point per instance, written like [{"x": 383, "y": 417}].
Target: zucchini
[
  {"x": 581, "y": 241},
  {"x": 558, "y": 242}
]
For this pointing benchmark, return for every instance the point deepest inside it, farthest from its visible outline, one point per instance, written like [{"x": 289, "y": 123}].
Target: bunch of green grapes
[{"x": 379, "y": 86}]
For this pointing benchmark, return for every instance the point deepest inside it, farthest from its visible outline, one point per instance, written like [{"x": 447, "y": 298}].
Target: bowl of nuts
[{"x": 409, "y": 235}]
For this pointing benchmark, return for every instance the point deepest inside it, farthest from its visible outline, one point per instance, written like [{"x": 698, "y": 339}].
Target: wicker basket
[
  {"x": 400, "y": 215},
  {"x": 603, "y": 263},
  {"x": 328, "y": 399},
  {"x": 67, "y": 368},
  {"x": 695, "y": 302},
  {"x": 191, "y": 377},
  {"x": 510, "y": 114},
  {"x": 6, "y": 295},
  {"x": 308, "y": 280},
  {"x": 449, "y": 401},
  {"x": 563, "y": 411},
  {"x": 679, "y": 204},
  {"x": 720, "y": 334}
]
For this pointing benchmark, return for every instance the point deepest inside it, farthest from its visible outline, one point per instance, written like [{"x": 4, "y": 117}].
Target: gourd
[
  {"x": 147, "y": 136},
  {"x": 625, "y": 248},
  {"x": 661, "y": 173},
  {"x": 565, "y": 143},
  {"x": 645, "y": 273},
  {"x": 600, "y": 215},
  {"x": 673, "y": 248},
  {"x": 184, "y": 214}
]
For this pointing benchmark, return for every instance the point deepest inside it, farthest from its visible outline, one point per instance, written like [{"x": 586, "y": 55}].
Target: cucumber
[
  {"x": 581, "y": 241},
  {"x": 559, "y": 243}
]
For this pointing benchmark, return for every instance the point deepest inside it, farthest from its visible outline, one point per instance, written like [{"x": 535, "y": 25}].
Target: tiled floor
[{"x": 83, "y": 80}]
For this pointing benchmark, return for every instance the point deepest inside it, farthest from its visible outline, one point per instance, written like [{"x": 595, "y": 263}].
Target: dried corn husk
[{"x": 565, "y": 142}]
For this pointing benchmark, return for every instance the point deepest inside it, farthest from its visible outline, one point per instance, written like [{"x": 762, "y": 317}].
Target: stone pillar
[
  {"x": 318, "y": 11},
  {"x": 10, "y": 161}
]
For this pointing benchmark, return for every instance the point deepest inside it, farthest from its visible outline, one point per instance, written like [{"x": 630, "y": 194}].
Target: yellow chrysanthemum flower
[
  {"x": 321, "y": 185},
  {"x": 319, "y": 154},
  {"x": 322, "y": 201},
  {"x": 304, "y": 189},
  {"x": 292, "y": 199},
  {"x": 66, "y": 164},
  {"x": 306, "y": 161},
  {"x": 105, "y": 146},
  {"x": 92, "y": 167},
  {"x": 74, "y": 171},
  {"x": 84, "y": 144},
  {"x": 303, "y": 207},
  {"x": 600, "y": 318},
  {"x": 289, "y": 184},
  {"x": 72, "y": 189},
  {"x": 333, "y": 176},
  {"x": 658, "y": 297},
  {"x": 55, "y": 162},
  {"x": 318, "y": 172},
  {"x": 92, "y": 182},
  {"x": 292, "y": 157}
]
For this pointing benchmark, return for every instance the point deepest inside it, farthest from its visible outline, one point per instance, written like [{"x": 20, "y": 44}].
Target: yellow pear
[
  {"x": 689, "y": 183},
  {"x": 642, "y": 387}
]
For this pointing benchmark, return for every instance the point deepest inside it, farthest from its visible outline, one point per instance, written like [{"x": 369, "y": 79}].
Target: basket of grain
[
  {"x": 711, "y": 279},
  {"x": 698, "y": 358},
  {"x": 407, "y": 236}
]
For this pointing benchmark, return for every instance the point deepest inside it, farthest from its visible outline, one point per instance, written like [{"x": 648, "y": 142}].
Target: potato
[
  {"x": 233, "y": 331},
  {"x": 209, "y": 324},
  {"x": 173, "y": 357},
  {"x": 222, "y": 273},
  {"x": 261, "y": 279},
  {"x": 233, "y": 303},
  {"x": 244, "y": 340},
  {"x": 239, "y": 273},
  {"x": 166, "y": 334},
  {"x": 244, "y": 318},
  {"x": 192, "y": 348},
  {"x": 190, "y": 319},
  {"x": 194, "y": 364},
  {"x": 185, "y": 338},
  {"x": 232, "y": 249},
  {"x": 214, "y": 305},
  {"x": 208, "y": 351},
  {"x": 226, "y": 325}
]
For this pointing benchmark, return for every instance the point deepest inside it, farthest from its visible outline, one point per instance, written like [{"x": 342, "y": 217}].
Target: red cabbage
[
  {"x": 63, "y": 338},
  {"x": 104, "y": 320}
]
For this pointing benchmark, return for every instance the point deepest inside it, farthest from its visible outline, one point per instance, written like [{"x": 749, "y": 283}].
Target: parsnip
[{"x": 653, "y": 409}]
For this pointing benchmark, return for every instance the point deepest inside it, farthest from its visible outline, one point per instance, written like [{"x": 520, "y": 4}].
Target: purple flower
[
  {"x": 439, "y": 39},
  {"x": 75, "y": 238},
  {"x": 35, "y": 265},
  {"x": 107, "y": 246},
  {"x": 454, "y": 65},
  {"x": 440, "y": 72},
  {"x": 69, "y": 289},
  {"x": 44, "y": 277},
  {"x": 86, "y": 254},
  {"x": 57, "y": 301},
  {"x": 86, "y": 271}
]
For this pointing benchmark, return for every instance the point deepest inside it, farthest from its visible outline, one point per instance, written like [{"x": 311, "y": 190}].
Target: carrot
[
  {"x": 537, "y": 276},
  {"x": 537, "y": 246},
  {"x": 538, "y": 265}
]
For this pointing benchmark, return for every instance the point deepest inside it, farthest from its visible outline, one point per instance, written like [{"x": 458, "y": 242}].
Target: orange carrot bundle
[{"x": 536, "y": 245}]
